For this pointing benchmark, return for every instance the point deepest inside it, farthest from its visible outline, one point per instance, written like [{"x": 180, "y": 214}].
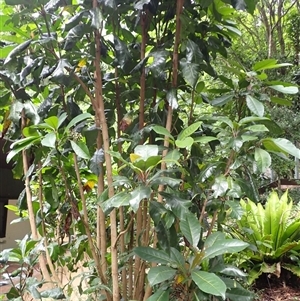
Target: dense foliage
[{"x": 136, "y": 132}]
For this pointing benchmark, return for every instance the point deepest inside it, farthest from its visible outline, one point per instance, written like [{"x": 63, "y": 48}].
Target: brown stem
[
  {"x": 101, "y": 227},
  {"x": 179, "y": 9},
  {"x": 85, "y": 220},
  {"x": 31, "y": 215},
  {"x": 100, "y": 115},
  {"x": 44, "y": 233},
  {"x": 213, "y": 221}
]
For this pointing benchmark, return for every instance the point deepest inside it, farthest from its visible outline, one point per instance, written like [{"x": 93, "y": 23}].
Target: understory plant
[
  {"x": 127, "y": 151},
  {"x": 273, "y": 232}
]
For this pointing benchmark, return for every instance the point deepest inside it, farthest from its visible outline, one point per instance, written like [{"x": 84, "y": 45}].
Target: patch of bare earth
[{"x": 272, "y": 288}]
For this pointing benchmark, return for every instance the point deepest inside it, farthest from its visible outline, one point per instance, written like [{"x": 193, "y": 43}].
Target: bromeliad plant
[{"x": 273, "y": 231}]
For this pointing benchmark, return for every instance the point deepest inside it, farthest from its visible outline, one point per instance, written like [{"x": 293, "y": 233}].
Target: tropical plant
[
  {"x": 119, "y": 135},
  {"x": 273, "y": 233}
]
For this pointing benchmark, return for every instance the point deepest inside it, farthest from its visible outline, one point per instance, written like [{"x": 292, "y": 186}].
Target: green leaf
[
  {"x": 159, "y": 274},
  {"x": 157, "y": 67},
  {"x": 191, "y": 229},
  {"x": 224, "y": 246},
  {"x": 52, "y": 122},
  {"x": 179, "y": 206},
  {"x": 265, "y": 64},
  {"x": 255, "y": 106},
  {"x": 160, "y": 295},
  {"x": 209, "y": 283},
  {"x": 161, "y": 180},
  {"x": 281, "y": 101},
  {"x": 16, "y": 51},
  {"x": 140, "y": 4},
  {"x": 205, "y": 139},
  {"x": 281, "y": 145},
  {"x": 187, "y": 132},
  {"x": 152, "y": 255},
  {"x": 172, "y": 98},
  {"x": 118, "y": 200},
  {"x": 263, "y": 159},
  {"x": 146, "y": 151},
  {"x": 222, "y": 100},
  {"x": 190, "y": 72},
  {"x": 73, "y": 36},
  {"x": 172, "y": 157},
  {"x": 122, "y": 54},
  {"x": 285, "y": 90},
  {"x": 220, "y": 186},
  {"x": 185, "y": 142},
  {"x": 81, "y": 150},
  {"x": 49, "y": 140},
  {"x": 158, "y": 129},
  {"x": 193, "y": 53},
  {"x": 77, "y": 119},
  {"x": 54, "y": 293},
  {"x": 97, "y": 18},
  {"x": 257, "y": 128},
  {"x": 140, "y": 193}
]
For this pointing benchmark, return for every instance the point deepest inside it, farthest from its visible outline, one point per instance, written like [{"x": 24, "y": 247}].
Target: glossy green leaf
[
  {"x": 224, "y": 246},
  {"x": 257, "y": 128},
  {"x": 263, "y": 159},
  {"x": 281, "y": 101},
  {"x": 74, "y": 35},
  {"x": 220, "y": 186},
  {"x": 77, "y": 119},
  {"x": 52, "y": 122},
  {"x": 190, "y": 72},
  {"x": 122, "y": 54},
  {"x": 138, "y": 194},
  {"x": 118, "y": 200},
  {"x": 222, "y": 100},
  {"x": 255, "y": 106},
  {"x": 54, "y": 293},
  {"x": 81, "y": 150},
  {"x": 159, "y": 274},
  {"x": 185, "y": 142},
  {"x": 146, "y": 151},
  {"x": 172, "y": 182},
  {"x": 281, "y": 145},
  {"x": 193, "y": 53},
  {"x": 172, "y": 99},
  {"x": 160, "y": 295},
  {"x": 158, "y": 64},
  {"x": 49, "y": 140},
  {"x": 285, "y": 90},
  {"x": 191, "y": 229},
  {"x": 209, "y": 283},
  {"x": 158, "y": 129},
  {"x": 97, "y": 18},
  {"x": 16, "y": 51},
  {"x": 265, "y": 64},
  {"x": 205, "y": 139},
  {"x": 152, "y": 255},
  {"x": 191, "y": 129},
  {"x": 140, "y": 4},
  {"x": 179, "y": 206},
  {"x": 172, "y": 157}
]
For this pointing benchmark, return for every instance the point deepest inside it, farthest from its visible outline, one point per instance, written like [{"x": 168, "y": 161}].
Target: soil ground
[{"x": 285, "y": 288}]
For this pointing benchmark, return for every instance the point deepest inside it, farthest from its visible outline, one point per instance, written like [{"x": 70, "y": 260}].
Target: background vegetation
[{"x": 137, "y": 127}]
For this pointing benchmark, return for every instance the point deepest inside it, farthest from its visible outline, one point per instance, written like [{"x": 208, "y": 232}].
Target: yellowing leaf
[
  {"x": 134, "y": 157},
  {"x": 81, "y": 63},
  {"x": 179, "y": 279},
  {"x": 89, "y": 185}
]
